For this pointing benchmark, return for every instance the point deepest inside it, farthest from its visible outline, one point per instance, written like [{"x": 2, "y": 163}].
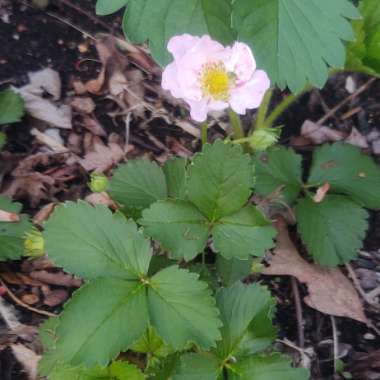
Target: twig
[
  {"x": 335, "y": 342},
  {"x": 24, "y": 305},
  {"x": 127, "y": 132},
  {"x": 345, "y": 101},
  {"x": 297, "y": 302},
  {"x": 367, "y": 298}
]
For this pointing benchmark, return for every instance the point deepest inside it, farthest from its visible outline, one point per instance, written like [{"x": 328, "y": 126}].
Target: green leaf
[
  {"x": 107, "y": 7},
  {"x": 91, "y": 242},
  {"x": 179, "y": 227},
  {"x": 348, "y": 171},
  {"x": 238, "y": 306},
  {"x": 232, "y": 270},
  {"x": 12, "y": 234},
  {"x": 103, "y": 318},
  {"x": 363, "y": 54},
  {"x": 159, "y": 20},
  {"x": 295, "y": 41},
  {"x": 11, "y": 107},
  {"x": 243, "y": 234},
  {"x": 118, "y": 370},
  {"x": 182, "y": 309},
  {"x": 279, "y": 169},
  {"x": 176, "y": 177},
  {"x": 3, "y": 139},
  {"x": 197, "y": 366},
  {"x": 137, "y": 184},
  {"x": 267, "y": 367},
  {"x": 332, "y": 230},
  {"x": 220, "y": 180}
]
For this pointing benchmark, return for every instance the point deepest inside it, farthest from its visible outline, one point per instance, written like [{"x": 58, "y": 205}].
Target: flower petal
[
  {"x": 170, "y": 80},
  {"x": 198, "y": 110},
  {"x": 241, "y": 62},
  {"x": 180, "y": 45},
  {"x": 250, "y": 95}
]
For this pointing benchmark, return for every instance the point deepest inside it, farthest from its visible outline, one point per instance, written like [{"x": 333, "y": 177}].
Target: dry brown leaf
[
  {"x": 6, "y": 216},
  {"x": 29, "y": 298},
  {"x": 101, "y": 198},
  {"x": 43, "y": 214},
  {"x": 330, "y": 291},
  {"x": 102, "y": 157},
  {"x": 58, "y": 278},
  {"x": 357, "y": 139},
  {"x": 55, "y": 297},
  {"x": 318, "y": 134},
  {"x": 85, "y": 105},
  {"x": 321, "y": 193},
  {"x": 27, "y": 358},
  {"x": 93, "y": 125}
]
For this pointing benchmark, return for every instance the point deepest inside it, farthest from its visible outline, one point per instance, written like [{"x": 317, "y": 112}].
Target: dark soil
[{"x": 34, "y": 39}]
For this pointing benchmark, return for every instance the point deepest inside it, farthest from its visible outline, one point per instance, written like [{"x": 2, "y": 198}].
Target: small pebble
[{"x": 369, "y": 336}]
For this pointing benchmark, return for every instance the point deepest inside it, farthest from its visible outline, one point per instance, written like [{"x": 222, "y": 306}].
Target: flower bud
[
  {"x": 98, "y": 182},
  {"x": 34, "y": 244},
  {"x": 263, "y": 138},
  {"x": 257, "y": 265}
]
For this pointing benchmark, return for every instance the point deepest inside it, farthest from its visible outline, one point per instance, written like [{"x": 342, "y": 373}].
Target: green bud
[
  {"x": 98, "y": 183},
  {"x": 257, "y": 266},
  {"x": 263, "y": 138},
  {"x": 34, "y": 244}
]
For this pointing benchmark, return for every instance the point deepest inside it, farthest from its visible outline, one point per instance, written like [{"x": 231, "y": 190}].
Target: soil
[{"x": 32, "y": 39}]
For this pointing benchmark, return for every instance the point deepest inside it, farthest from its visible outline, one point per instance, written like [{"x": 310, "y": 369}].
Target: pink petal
[
  {"x": 250, "y": 95},
  {"x": 170, "y": 80},
  {"x": 179, "y": 45},
  {"x": 217, "y": 105},
  {"x": 241, "y": 62},
  {"x": 198, "y": 110}
]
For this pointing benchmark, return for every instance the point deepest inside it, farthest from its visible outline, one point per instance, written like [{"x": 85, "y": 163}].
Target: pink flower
[{"x": 211, "y": 77}]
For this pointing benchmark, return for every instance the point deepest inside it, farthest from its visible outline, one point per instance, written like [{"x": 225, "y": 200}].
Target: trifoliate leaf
[
  {"x": 137, "y": 184},
  {"x": 179, "y": 227},
  {"x": 91, "y": 242},
  {"x": 12, "y": 234},
  {"x": 295, "y": 41},
  {"x": 107, "y": 7},
  {"x": 279, "y": 169},
  {"x": 267, "y": 367},
  {"x": 220, "y": 180},
  {"x": 176, "y": 177},
  {"x": 243, "y": 234},
  {"x": 103, "y": 318},
  {"x": 332, "y": 230},
  {"x": 232, "y": 270},
  {"x": 363, "y": 54},
  {"x": 238, "y": 306},
  {"x": 348, "y": 171},
  {"x": 122, "y": 370},
  {"x": 198, "y": 366},
  {"x": 159, "y": 20},
  {"x": 182, "y": 309},
  {"x": 11, "y": 107},
  {"x": 3, "y": 139}
]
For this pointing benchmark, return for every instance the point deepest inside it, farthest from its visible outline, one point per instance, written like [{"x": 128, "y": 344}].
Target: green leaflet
[
  {"x": 295, "y": 41},
  {"x": 11, "y": 107},
  {"x": 107, "y": 7},
  {"x": 332, "y": 230},
  {"x": 348, "y": 171},
  {"x": 363, "y": 53},
  {"x": 198, "y": 366},
  {"x": 220, "y": 180},
  {"x": 232, "y": 270},
  {"x": 279, "y": 170},
  {"x": 12, "y": 234},
  {"x": 176, "y": 177}
]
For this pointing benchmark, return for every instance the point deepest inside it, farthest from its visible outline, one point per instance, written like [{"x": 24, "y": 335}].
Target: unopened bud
[
  {"x": 34, "y": 244},
  {"x": 98, "y": 182},
  {"x": 264, "y": 138}
]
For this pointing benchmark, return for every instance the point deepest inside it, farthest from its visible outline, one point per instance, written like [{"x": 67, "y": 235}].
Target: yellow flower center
[{"x": 216, "y": 81}]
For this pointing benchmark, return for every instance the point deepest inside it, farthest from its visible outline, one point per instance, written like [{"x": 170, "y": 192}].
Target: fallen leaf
[
  {"x": 43, "y": 214},
  {"x": 101, "y": 198},
  {"x": 102, "y": 157},
  {"x": 93, "y": 125},
  {"x": 330, "y": 291},
  {"x": 56, "y": 297},
  {"x": 27, "y": 358},
  {"x": 46, "y": 80},
  {"x": 58, "y": 278},
  {"x": 317, "y": 134},
  {"x": 321, "y": 193},
  {"x": 357, "y": 139},
  {"x": 29, "y": 298},
  {"x": 85, "y": 105},
  {"x": 6, "y": 216}
]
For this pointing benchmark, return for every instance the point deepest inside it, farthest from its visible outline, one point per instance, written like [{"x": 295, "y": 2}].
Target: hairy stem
[
  {"x": 263, "y": 109},
  {"x": 236, "y": 124},
  {"x": 204, "y": 130}
]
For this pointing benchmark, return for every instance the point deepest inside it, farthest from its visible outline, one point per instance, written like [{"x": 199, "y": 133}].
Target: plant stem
[
  {"x": 204, "y": 129},
  {"x": 236, "y": 124},
  {"x": 204, "y": 258},
  {"x": 263, "y": 109},
  {"x": 282, "y": 106}
]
